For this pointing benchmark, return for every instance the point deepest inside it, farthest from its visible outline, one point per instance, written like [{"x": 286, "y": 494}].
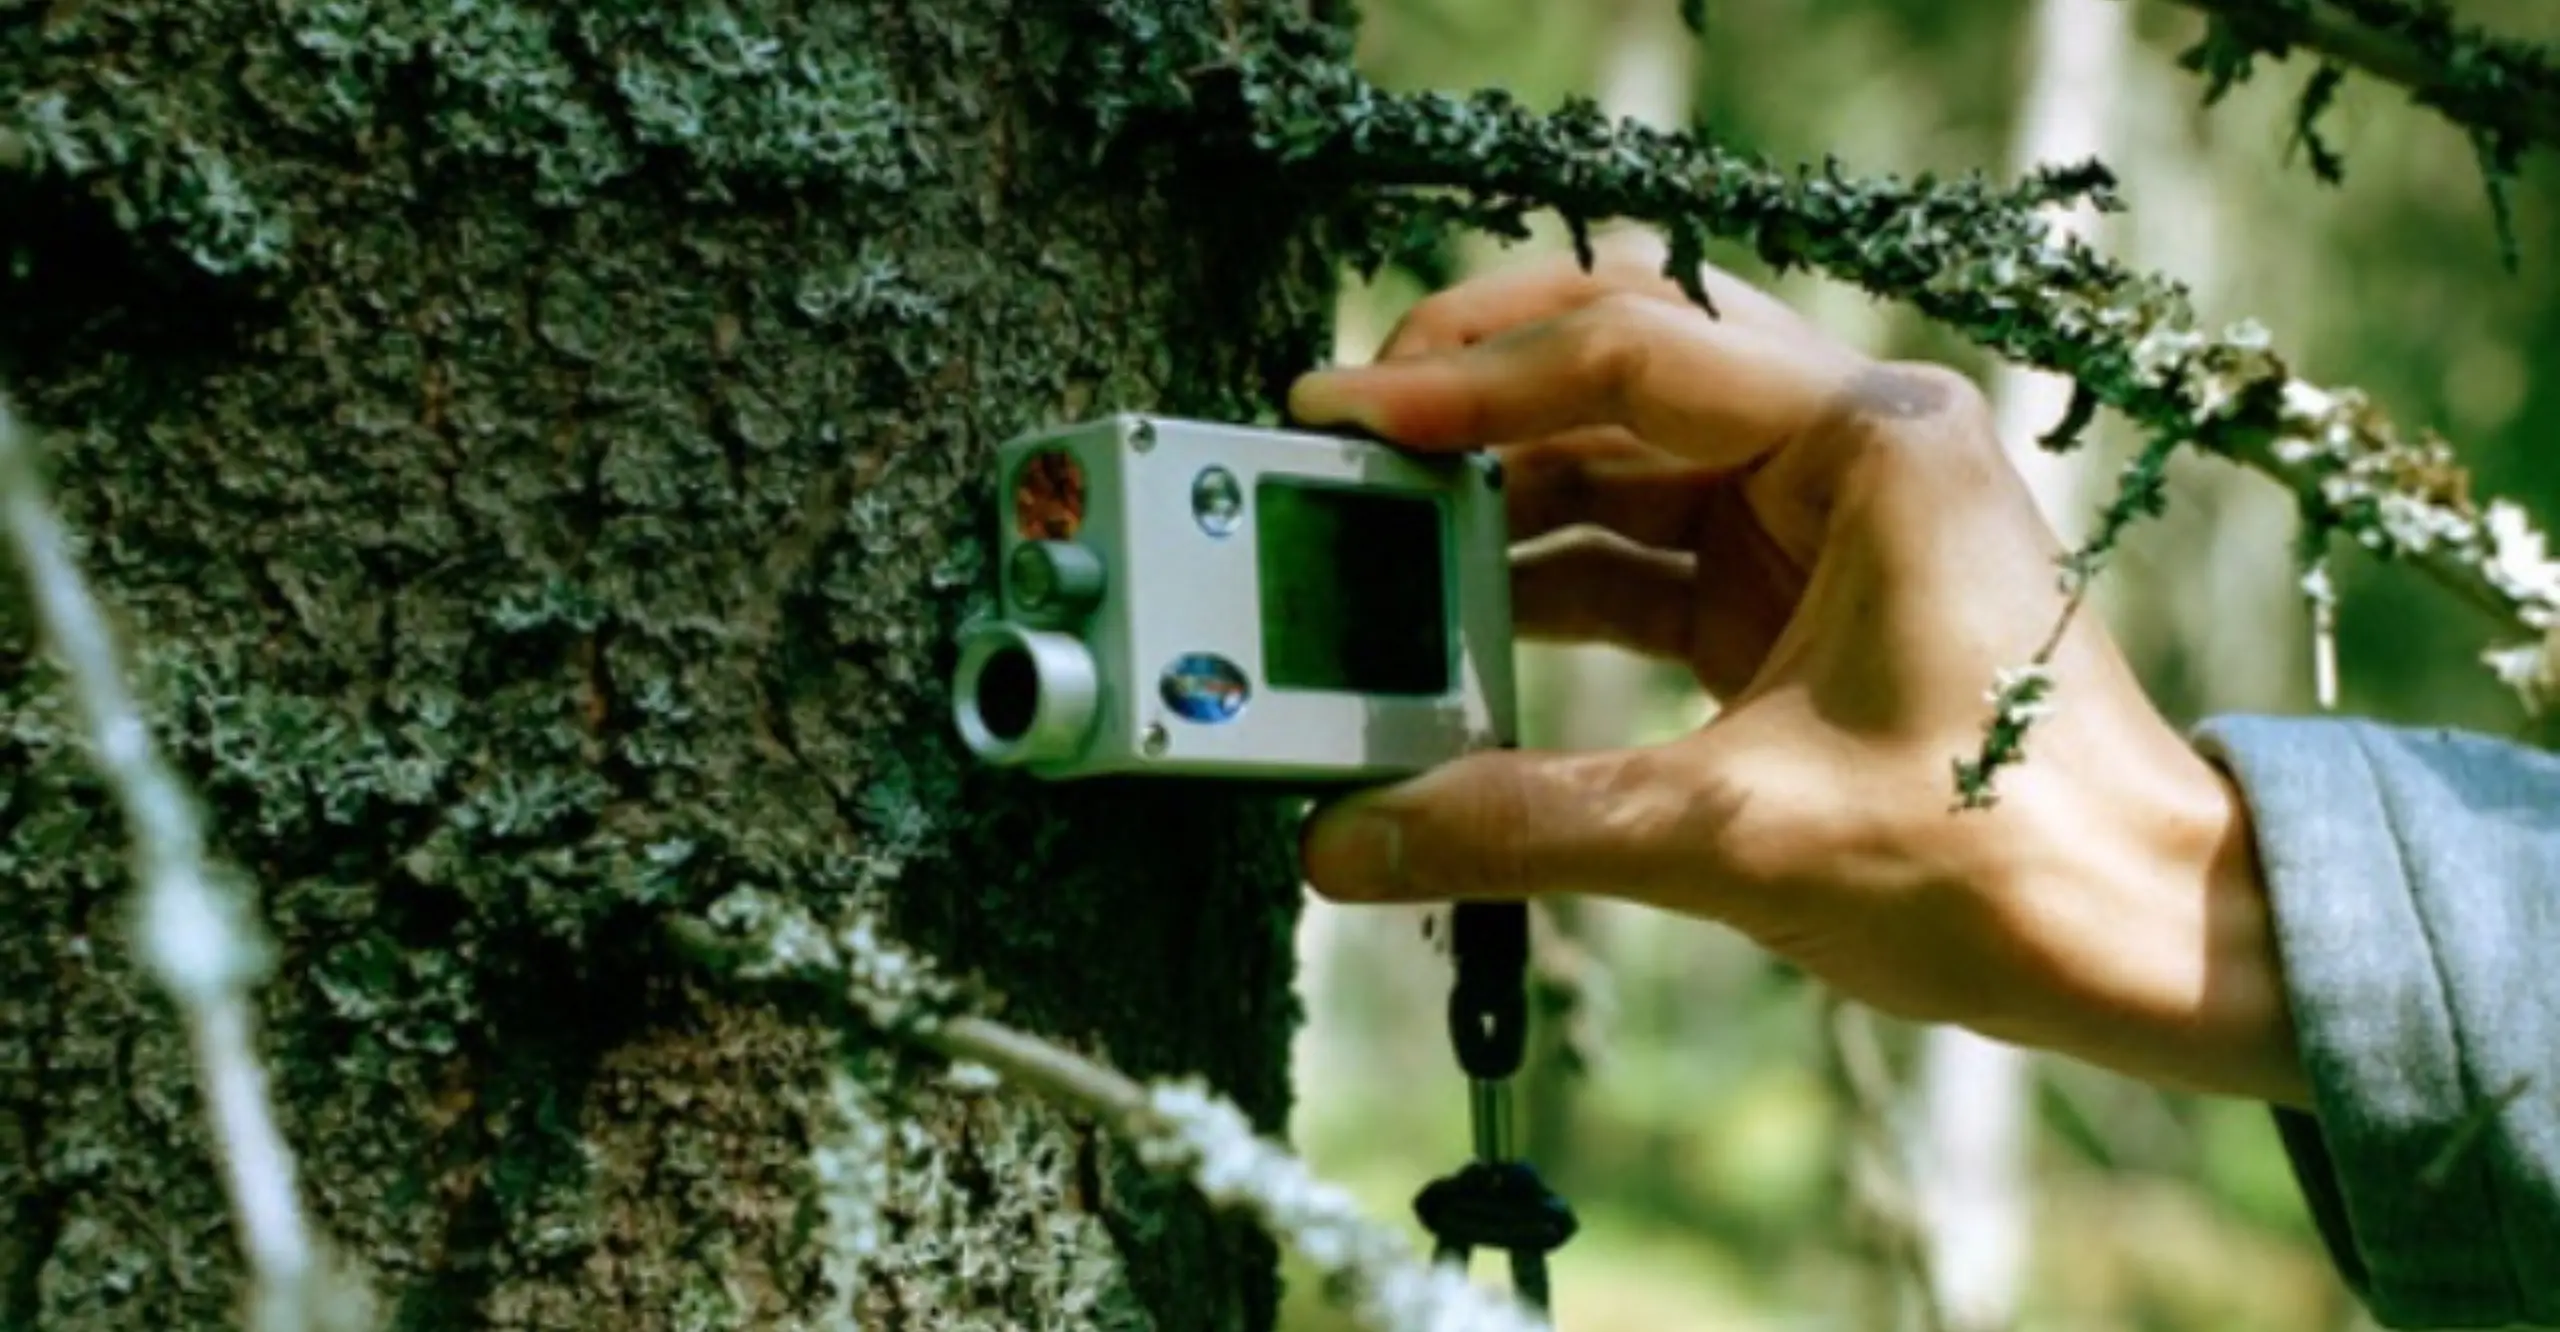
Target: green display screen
[{"x": 1354, "y": 589}]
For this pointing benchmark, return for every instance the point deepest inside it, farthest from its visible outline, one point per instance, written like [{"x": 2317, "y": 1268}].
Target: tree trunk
[{"x": 536, "y": 456}]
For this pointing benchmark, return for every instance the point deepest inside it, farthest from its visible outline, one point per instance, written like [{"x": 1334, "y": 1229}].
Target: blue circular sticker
[{"x": 1204, "y": 687}]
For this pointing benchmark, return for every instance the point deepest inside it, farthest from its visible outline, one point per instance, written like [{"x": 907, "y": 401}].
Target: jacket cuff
[{"x": 2381, "y": 930}]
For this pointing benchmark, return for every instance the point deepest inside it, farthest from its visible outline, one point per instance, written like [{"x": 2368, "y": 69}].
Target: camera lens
[
  {"x": 1008, "y": 693},
  {"x": 1023, "y": 695}
]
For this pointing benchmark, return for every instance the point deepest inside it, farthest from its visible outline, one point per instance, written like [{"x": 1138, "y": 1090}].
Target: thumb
[{"x": 1511, "y": 824}]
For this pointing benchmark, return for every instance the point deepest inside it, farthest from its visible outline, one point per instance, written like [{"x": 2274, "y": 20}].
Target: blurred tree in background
[{"x": 1708, "y": 1149}]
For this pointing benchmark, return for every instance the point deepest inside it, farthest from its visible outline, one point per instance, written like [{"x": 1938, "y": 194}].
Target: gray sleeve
[{"x": 2415, "y": 876}]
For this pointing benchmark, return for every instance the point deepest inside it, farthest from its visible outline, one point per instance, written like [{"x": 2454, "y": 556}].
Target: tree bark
[{"x": 536, "y": 455}]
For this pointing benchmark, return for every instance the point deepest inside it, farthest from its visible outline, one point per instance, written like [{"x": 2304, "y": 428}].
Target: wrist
[{"x": 2173, "y": 973}]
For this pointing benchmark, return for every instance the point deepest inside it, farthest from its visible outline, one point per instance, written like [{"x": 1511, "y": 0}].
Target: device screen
[{"x": 1354, "y": 589}]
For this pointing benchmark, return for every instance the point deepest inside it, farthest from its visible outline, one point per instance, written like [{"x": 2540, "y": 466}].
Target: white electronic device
[{"x": 1208, "y": 600}]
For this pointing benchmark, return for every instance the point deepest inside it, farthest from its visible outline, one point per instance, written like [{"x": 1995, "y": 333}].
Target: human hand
[{"x": 1840, "y": 550}]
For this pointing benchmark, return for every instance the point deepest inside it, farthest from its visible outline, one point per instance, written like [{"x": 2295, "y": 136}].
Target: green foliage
[
  {"x": 2478, "y": 78},
  {"x": 2224, "y": 56},
  {"x": 2142, "y": 491},
  {"x": 2316, "y": 98},
  {"x": 2076, "y": 416},
  {"x": 2017, "y": 700}
]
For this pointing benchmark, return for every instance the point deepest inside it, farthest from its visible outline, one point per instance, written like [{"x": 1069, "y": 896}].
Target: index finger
[
  {"x": 1629, "y": 263},
  {"x": 1689, "y": 384}
]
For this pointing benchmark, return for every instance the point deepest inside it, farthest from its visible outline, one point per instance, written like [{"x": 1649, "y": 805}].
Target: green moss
[
  {"x": 710, "y": 98},
  {"x": 166, "y": 184},
  {"x": 504, "y": 91}
]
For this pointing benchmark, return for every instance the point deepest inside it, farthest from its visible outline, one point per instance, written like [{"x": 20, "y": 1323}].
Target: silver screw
[
  {"x": 1156, "y": 741},
  {"x": 1142, "y": 436}
]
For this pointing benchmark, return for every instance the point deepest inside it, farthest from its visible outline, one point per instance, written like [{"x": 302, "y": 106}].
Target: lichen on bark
[{"x": 535, "y": 453}]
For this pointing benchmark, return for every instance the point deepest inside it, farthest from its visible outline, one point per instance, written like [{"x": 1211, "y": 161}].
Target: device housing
[{"x": 1191, "y": 598}]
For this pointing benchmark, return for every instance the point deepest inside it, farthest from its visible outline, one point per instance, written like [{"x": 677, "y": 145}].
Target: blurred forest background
[{"x": 1690, "y": 1099}]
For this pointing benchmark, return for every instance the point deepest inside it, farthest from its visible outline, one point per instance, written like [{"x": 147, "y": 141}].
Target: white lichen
[
  {"x": 2530, "y": 669},
  {"x": 850, "y": 1174},
  {"x": 2396, "y": 493},
  {"x": 883, "y": 981},
  {"x": 197, "y": 930},
  {"x": 2392, "y": 495},
  {"x": 967, "y": 1075},
  {"x": 2408, "y": 499},
  {"x": 1374, "y": 1273},
  {"x": 2516, "y": 563},
  {"x": 2021, "y": 695}
]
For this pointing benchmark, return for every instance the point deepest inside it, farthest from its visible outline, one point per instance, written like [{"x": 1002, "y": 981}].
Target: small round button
[{"x": 1217, "y": 500}]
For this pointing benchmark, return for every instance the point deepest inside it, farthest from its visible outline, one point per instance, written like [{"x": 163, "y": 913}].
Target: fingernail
[{"x": 1353, "y": 853}]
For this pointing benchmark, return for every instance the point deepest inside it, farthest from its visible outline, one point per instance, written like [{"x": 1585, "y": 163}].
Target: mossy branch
[
  {"x": 1981, "y": 259},
  {"x": 1180, "y": 1127}
]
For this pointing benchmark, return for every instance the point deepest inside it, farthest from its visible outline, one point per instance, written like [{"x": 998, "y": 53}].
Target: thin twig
[
  {"x": 2320, "y": 594},
  {"x": 1051, "y": 1070},
  {"x": 197, "y": 930}
]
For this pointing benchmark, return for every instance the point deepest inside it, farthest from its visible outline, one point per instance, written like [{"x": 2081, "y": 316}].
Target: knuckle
[
  {"x": 1966, "y": 402},
  {"x": 1936, "y": 395},
  {"x": 1907, "y": 415}
]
